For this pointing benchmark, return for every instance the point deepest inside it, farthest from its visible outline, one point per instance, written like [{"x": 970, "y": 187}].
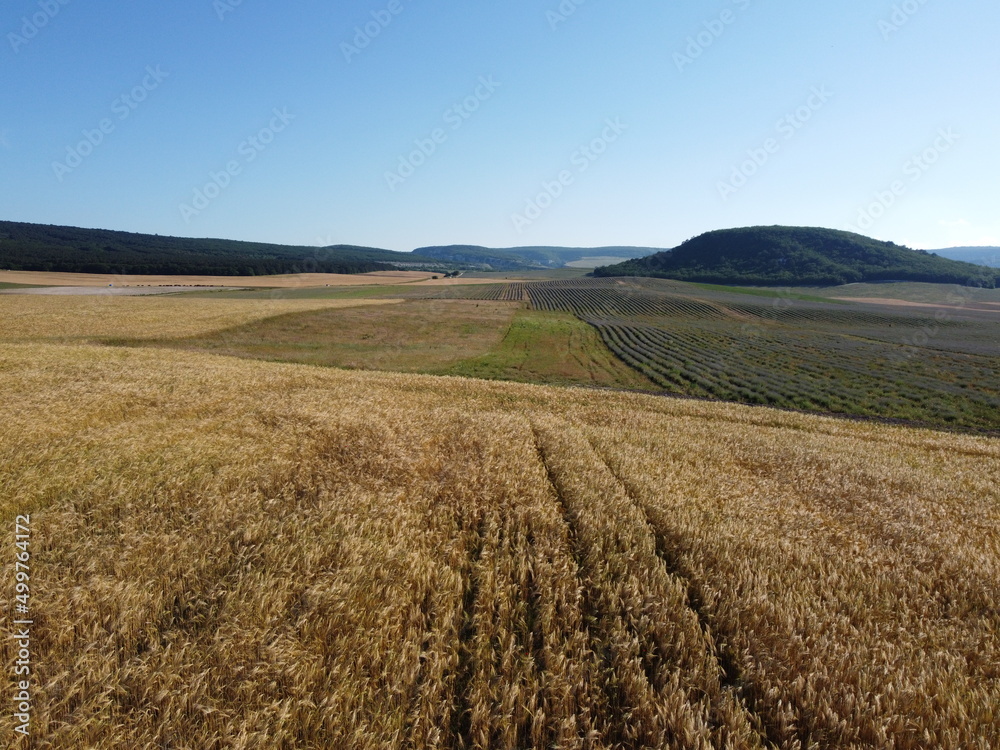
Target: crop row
[
  {"x": 799, "y": 313},
  {"x": 585, "y": 301},
  {"x": 513, "y": 292},
  {"x": 509, "y": 292},
  {"x": 807, "y": 370}
]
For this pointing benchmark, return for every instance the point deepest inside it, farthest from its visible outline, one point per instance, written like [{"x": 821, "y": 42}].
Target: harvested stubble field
[{"x": 231, "y": 553}]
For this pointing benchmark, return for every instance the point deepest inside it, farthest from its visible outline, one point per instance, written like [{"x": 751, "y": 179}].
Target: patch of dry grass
[
  {"x": 31, "y": 318},
  {"x": 409, "y": 336}
]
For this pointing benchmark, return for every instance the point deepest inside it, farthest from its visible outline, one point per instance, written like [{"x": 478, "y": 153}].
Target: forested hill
[
  {"x": 38, "y": 247},
  {"x": 789, "y": 256}
]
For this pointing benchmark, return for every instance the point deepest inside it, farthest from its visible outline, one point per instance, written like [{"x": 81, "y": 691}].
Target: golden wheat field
[
  {"x": 67, "y": 319},
  {"x": 228, "y": 553}
]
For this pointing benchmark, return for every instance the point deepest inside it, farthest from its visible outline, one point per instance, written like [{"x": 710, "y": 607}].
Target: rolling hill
[
  {"x": 38, "y": 247},
  {"x": 787, "y": 256}
]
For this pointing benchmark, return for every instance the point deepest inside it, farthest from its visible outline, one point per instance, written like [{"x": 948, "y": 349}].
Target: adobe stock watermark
[
  {"x": 582, "y": 158},
  {"x": 325, "y": 250},
  {"x": 122, "y": 108},
  {"x": 785, "y": 128},
  {"x": 785, "y": 300},
  {"x": 562, "y": 13},
  {"x": 23, "y": 703},
  {"x": 915, "y": 168},
  {"x": 364, "y": 35},
  {"x": 711, "y": 32},
  {"x": 31, "y": 25},
  {"x": 249, "y": 150},
  {"x": 901, "y": 15},
  {"x": 224, "y": 7},
  {"x": 913, "y": 344},
  {"x": 454, "y": 117},
  {"x": 303, "y": 268}
]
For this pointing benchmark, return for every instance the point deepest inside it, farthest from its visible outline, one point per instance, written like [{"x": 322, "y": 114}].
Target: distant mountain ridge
[
  {"x": 531, "y": 256},
  {"x": 984, "y": 256},
  {"x": 793, "y": 256}
]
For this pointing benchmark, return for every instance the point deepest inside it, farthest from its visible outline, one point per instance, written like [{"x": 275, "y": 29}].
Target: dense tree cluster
[{"x": 36, "y": 247}]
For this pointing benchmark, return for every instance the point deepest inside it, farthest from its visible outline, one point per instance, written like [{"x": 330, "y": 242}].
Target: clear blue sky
[{"x": 697, "y": 95}]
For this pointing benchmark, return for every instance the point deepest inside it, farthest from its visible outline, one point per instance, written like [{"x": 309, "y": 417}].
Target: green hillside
[
  {"x": 38, "y": 247},
  {"x": 788, "y": 256}
]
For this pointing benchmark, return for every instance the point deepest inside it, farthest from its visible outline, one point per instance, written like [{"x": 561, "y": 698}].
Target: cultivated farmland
[
  {"x": 937, "y": 365},
  {"x": 240, "y": 554},
  {"x": 235, "y": 553},
  {"x": 929, "y": 363}
]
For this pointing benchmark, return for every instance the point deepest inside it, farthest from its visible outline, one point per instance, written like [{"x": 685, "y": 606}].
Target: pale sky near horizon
[{"x": 402, "y": 123}]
